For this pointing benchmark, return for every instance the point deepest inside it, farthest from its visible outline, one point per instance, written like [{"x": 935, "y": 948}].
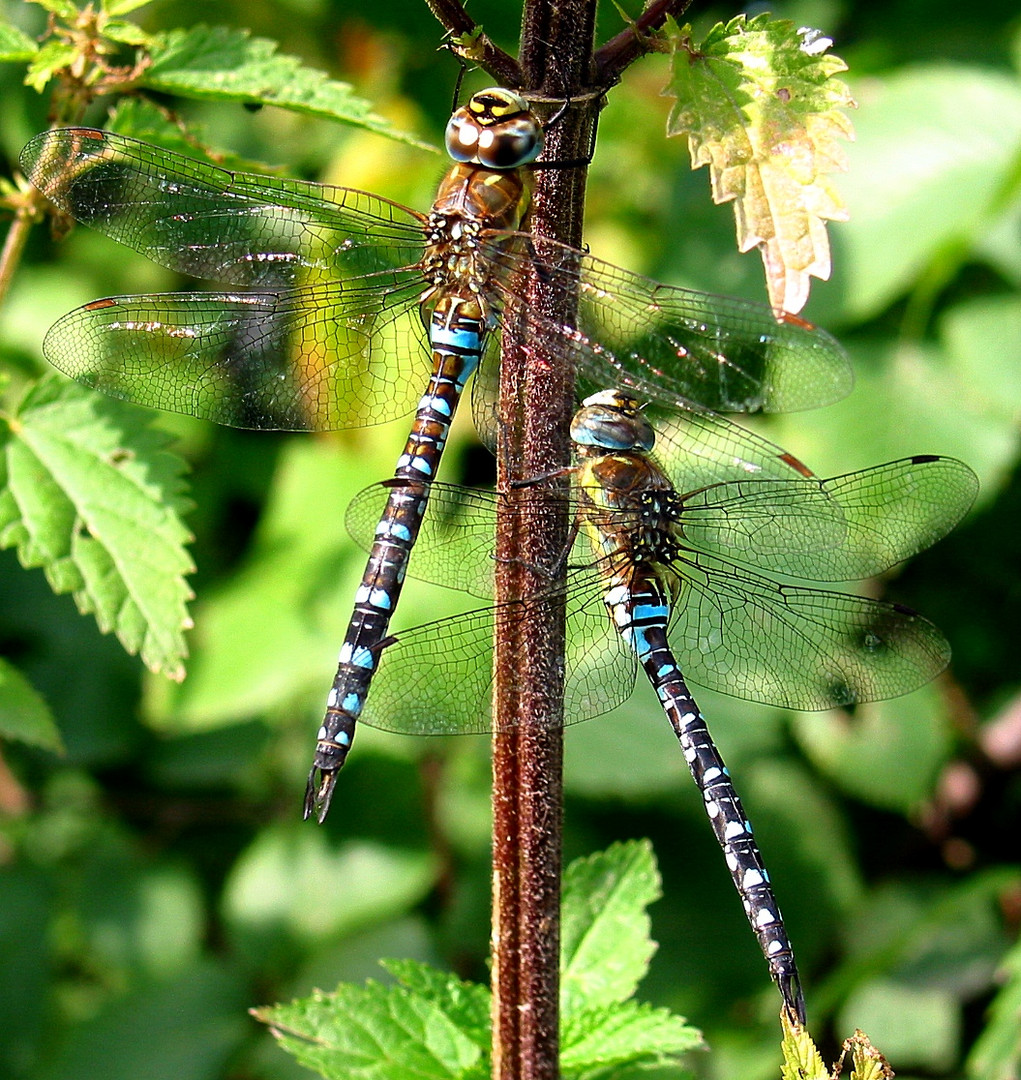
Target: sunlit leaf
[
  {"x": 63, "y": 9},
  {"x": 632, "y": 1034},
  {"x": 801, "y": 1058},
  {"x": 224, "y": 64},
  {"x": 867, "y": 1062},
  {"x": 89, "y": 492},
  {"x": 127, "y": 33},
  {"x": 604, "y": 939},
  {"x": 51, "y": 58},
  {"x": 374, "y": 1032},
  {"x": 760, "y": 105},
  {"x": 122, "y": 7},
  {"x": 15, "y": 45}
]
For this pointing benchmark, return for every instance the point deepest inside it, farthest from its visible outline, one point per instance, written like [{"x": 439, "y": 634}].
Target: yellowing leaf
[
  {"x": 868, "y": 1062},
  {"x": 801, "y": 1059},
  {"x": 760, "y": 106}
]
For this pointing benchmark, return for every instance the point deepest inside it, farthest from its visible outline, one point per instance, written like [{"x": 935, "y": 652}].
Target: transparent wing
[
  {"x": 341, "y": 355},
  {"x": 437, "y": 679},
  {"x": 794, "y": 647},
  {"x": 842, "y": 529},
  {"x": 723, "y": 353},
  {"x": 208, "y": 222},
  {"x": 455, "y": 540}
]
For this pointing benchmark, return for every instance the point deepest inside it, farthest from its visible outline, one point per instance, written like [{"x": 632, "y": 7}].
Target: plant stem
[
  {"x": 14, "y": 244},
  {"x": 536, "y": 402}
]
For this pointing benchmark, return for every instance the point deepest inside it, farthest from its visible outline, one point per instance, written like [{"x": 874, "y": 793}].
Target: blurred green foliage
[{"x": 155, "y": 879}]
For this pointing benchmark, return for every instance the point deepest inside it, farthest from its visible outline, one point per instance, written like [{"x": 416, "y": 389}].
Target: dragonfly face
[
  {"x": 496, "y": 129},
  {"x": 611, "y": 420}
]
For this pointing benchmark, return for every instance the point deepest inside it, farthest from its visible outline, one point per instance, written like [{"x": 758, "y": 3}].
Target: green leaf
[
  {"x": 801, "y": 1058},
  {"x": 631, "y": 1034},
  {"x": 224, "y": 64},
  {"x": 89, "y": 492},
  {"x": 281, "y": 896},
  {"x": 605, "y": 943},
  {"x": 15, "y": 45},
  {"x": 996, "y": 1054},
  {"x": 63, "y": 9},
  {"x": 466, "y": 1004},
  {"x": 51, "y": 58},
  {"x": 374, "y": 1032},
  {"x": 24, "y": 715},
  {"x": 867, "y": 1063},
  {"x": 122, "y": 7},
  {"x": 127, "y": 33},
  {"x": 928, "y": 139},
  {"x": 760, "y": 105}
]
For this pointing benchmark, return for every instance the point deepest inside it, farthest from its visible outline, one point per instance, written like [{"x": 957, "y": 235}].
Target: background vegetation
[{"x": 156, "y": 881}]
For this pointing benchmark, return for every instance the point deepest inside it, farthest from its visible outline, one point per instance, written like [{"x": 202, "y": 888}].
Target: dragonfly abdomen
[
  {"x": 641, "y": 613},
  {"x": 457, "y": 329}
]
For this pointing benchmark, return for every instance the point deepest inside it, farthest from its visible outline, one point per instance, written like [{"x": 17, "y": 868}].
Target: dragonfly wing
[
  {"x": 436, "y": 679},
  {"x": 601, "y": 666},
  {"x": 290, "y": 359},
  {"x": 794, "y": 647},
  {"x": 208, "y": 222},
  {"x": 723, "y": 353},
  {"x": 842, "y": 529},
  {"x": 455, "y": 541}
]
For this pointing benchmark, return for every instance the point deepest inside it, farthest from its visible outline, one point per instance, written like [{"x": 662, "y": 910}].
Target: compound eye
[
  {"x": 511, "y": 143},
  {"x": 462, "y": 137}
]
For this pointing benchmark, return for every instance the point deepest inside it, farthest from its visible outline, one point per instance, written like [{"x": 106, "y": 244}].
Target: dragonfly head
[
  {"x": 495, "y": 129},
  {"x": 612, "y": 420}
]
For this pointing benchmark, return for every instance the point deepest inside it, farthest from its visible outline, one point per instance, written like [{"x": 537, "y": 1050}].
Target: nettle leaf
[
  {"x": 24, "y": 716},
  {"x": 225, "y": 64},
  {"x": 376, "y": 1032},
  {"x": 466, "y": 1004},
  {"x": 801, "y": 1058},
  {"x": 122, "y": 7},
  {"x": 127, "y": 33},
  {"x": 866, "y": 1061},
  {"x": 632, "y": 1034},
  {"x": 605, "y": 941},
  {"x": 63, "y": 9},
  {"x": 51, "y": 58},
  {"x": 89, "y": 492},
  {"x": 760, "y": 105},
  {"x": 433, "y": 1025},
  {"x": 15, "y": 45}
]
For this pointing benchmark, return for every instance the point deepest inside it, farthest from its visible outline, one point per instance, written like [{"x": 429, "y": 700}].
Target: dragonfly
[
  {"x": 340, "y": 306},
  {"x": 692, "y": 583}
]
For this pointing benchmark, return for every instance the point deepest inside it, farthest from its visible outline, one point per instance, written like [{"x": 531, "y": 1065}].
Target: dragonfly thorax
[
  {"x": 473, "y": 204},
  {"x": 631, "y": 506}
]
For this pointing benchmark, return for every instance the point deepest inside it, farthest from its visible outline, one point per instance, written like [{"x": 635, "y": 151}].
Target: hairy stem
[{"x": 536, "y": 401}]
